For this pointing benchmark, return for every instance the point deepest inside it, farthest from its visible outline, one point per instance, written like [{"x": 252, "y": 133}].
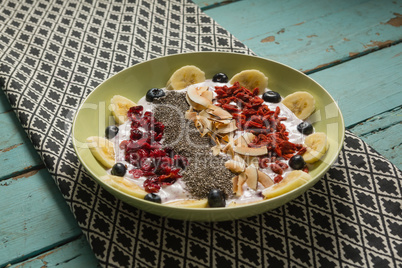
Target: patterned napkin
[{"x": 53, "y": 53}]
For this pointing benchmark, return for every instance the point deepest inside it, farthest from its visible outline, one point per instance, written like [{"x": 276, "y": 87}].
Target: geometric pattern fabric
[{"x": 54, "y": 53}]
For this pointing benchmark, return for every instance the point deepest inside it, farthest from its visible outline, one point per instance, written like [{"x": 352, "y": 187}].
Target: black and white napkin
[{"x": 54, "y": 53}]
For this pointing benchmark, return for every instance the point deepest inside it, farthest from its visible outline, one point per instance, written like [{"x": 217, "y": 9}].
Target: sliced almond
[
  {"x": 190, "y": 115},
  {"x": 234, "y": 166},
  {"x": 228, "y": 149},
  {"x": 194, "y": 95},
  {"x": 235, "y": 181},
  {"x": 194, "y": 105},
  {"x": 244, "y": 139},
  {"x": 216, "y": 150},
  {"x": 248, "y": 151},
  {"x": 264, "y": 179},
  {"x": 218, "y": 112},
  {"x": 227, "y": 128},
  {"x": 209, "y": 95},
  {"x": 201, "y": 90},
  {"x": 241, "y": 180},
  {"x": 252, "y": 176}
]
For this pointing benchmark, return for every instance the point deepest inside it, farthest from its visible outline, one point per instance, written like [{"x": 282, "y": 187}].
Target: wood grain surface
[{"x": 352, "y": 48}]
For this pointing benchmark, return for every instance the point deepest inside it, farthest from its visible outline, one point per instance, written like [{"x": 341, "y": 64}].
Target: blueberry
[
  {"x": 154, "y": 93},
  {"x": 153, "y": 198},
  {"x": 220, "y": 78},
  {"x": 111, "y": 131},
  {"x": 216, "y": 198},
  {"x": 297, "y": 162},
  {"x": 271, "y": 96},
  {"x": 118, "y": 170},
  {"x": 305, "y": 128}
]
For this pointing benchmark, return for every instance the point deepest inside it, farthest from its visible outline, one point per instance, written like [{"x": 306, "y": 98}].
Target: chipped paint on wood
[
  {"x": 379, "y": 44},
  {"x": 268, "y": 39},
  {"x": 396, "y": 21},
  {"x": 26, "y": 175},
  {"x": 10, "y": 147}
]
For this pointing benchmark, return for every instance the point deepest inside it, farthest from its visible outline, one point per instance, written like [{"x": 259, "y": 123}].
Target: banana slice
[
  {"x": 301, "y": 103},
  {"x": 119, "y": 107},
  {"x": 317, "y": 145},
  {"x": 293, "y": 180},
  {"x": 185, "y": 76},
  {"x": 102, "y": 149},
  {"x": 189, "y": 203},
  {"x": 251, "y": 79},
  {"x": 124, "y": 185}
]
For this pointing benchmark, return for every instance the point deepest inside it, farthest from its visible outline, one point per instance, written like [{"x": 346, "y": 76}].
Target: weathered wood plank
[
  {"x": 311, "y": 35},
  {"x": 208, "y": 4},
  {"x": 366, "y": 86},
  {"x": 382, "y": 132},
  {"x": 74, "y": 254},
  {"x": 34, "y": 216},
  {"x": 16, "y": 151}
]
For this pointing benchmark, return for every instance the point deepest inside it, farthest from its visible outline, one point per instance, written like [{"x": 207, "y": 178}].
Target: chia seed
[{"x": 205, "y": 171}]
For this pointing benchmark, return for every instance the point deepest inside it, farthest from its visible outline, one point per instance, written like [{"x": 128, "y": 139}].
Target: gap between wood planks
[
  {"x": 24, "y": 173},
  {"x": 41, "y": 254},
  {"x": 218, "y": 4},
  {"x": 375, "y": 46},
  {"x": 374, "y": 117}
]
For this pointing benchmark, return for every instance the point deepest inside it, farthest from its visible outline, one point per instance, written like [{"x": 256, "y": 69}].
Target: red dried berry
[
  {"x": 158, "y": 127},
  {"x": 278, "y": 179},
  {"x": 157, "y": 153},
  {"x": 135, "y": 112},
  {"x": 283, "y": 165},
  {"x": 135, "y": 134},
  {"x": 263, "y": 162},
  {"x": 276, "y": 168},
  {"x": 137, "y": 173},
  {"x": 148, "y": 114},
  {"x": 123, "y": 144},
  {"x": 231, "y": 108},
  {"x": 151, "y": 185}
]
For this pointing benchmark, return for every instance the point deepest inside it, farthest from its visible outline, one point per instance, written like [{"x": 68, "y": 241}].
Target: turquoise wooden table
[{"x": 352, "y": 48}]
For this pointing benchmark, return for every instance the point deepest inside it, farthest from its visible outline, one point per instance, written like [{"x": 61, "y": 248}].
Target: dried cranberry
[
  {"x": 148, "y": 114},
  {"x": 147, "y": 165},
  {"x": 135, "y": 123},
  {"x": 157, "y": 153},
  {"x": 143, "y": 144},
  {"x": 158, "y": 127},
  {"x": 135, "y": 134},
  {"x": 155, "y": 145},
  {"x": 142, "y": 153},
  {"x": 123, "y": 144},
  {"x": 151, "y": 185},
  {"x": 137, "y": 173},
  {"x": 167, "y": 179},
  {"x": 278, "y": 179},
  {"x": 264, "y": 162},
  {"x": 135, "y": 112},
  {"x": 132, "y": 146},
  {"x": 163, "y": 170},
  {"x": 276, "y": 168}
]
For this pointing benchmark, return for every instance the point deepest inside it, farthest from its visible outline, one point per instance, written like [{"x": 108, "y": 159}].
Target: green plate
[{"x": 93, "y": 117}]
